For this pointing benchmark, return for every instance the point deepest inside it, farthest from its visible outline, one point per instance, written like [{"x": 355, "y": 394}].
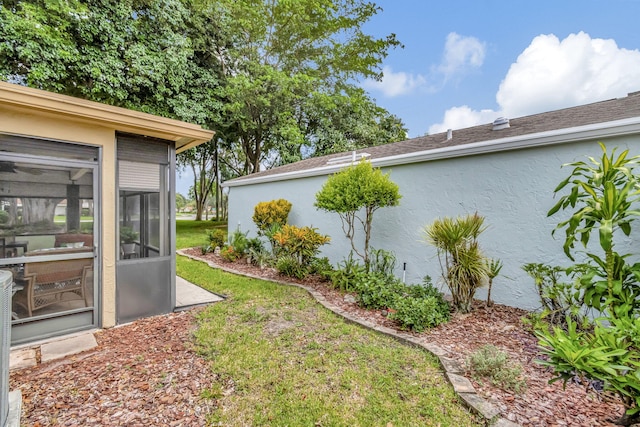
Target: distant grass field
[{"x": 190, "y": 233}]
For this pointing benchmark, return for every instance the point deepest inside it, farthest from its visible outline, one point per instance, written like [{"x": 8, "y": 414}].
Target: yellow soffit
[{"x": 185, "y": 135}]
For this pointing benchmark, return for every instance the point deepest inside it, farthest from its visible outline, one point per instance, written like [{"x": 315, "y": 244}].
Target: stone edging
[{"x": 454, "y": 372}]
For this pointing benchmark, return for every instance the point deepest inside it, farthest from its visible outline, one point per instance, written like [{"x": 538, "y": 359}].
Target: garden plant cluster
[{"x": 589, "y": 324}]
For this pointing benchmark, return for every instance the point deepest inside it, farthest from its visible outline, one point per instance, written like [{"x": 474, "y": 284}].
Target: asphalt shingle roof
[{"x": 599, "y": 112}]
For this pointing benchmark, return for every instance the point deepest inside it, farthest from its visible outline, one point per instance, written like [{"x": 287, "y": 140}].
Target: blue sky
[
  {"x": 468, "y": 62},
  {"x": 506, "y": 58}
]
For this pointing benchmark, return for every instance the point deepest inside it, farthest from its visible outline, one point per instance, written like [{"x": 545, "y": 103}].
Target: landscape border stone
[{"x": 461, "y": 385}]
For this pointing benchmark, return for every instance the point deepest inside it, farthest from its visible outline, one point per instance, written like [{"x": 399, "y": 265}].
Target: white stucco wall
[{"x": 512, "y": 189}]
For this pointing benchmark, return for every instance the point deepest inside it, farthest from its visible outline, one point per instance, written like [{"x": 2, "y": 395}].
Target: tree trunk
[{"x": 39, "y": 210}]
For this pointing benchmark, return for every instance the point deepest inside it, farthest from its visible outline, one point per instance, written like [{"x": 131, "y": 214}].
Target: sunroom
[{"x": 87, "y": 211}]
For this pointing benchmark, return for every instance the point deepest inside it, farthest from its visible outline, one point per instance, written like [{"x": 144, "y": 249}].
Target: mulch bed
[
  {"x": 146, "y": 373},
  {"x": 141, "y": 374}
]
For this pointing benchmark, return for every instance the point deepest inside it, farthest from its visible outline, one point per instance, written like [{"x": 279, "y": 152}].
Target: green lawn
[
  {"x": 282, "y": 359},
  {"x": 191, "y": 233}
]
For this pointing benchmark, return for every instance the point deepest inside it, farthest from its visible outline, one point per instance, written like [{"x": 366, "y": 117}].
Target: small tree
[{"x": 355, "y": 193}]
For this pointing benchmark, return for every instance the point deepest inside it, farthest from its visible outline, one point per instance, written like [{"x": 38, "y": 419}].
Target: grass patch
[
  {"x": 282, "y": 359},
  {"x": 190, "y": 233}
]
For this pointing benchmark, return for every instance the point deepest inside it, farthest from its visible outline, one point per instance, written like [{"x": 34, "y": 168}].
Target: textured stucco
[{"x": 513, "y": 190}]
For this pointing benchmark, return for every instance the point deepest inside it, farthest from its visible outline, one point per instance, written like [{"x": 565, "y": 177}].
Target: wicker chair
[{"x": 46, "y": 282}]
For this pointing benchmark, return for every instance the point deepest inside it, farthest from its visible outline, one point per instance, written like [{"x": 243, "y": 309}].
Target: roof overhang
[
  {"x": 185, "y": 135},
  {"x": 561, "y": 136}
]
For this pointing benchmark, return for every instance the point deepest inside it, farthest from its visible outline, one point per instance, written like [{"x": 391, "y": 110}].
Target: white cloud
[
  {"x": 460, "y": 54},
  {"x": 462, "y": 117},
  {"x": 395, "y": 84},
  {"x": 551, "y": 74}
]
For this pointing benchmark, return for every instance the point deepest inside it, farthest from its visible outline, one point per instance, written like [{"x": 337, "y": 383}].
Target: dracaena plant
[{"x": 602, "y": 193}]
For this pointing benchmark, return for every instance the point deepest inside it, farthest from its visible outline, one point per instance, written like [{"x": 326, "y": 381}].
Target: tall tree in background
[
  {"x": 145, "y": 55},
  {"x": 203, "y": 165},
  {"x": 289, "y": 70},
  {"x": 276, "y": 79}
]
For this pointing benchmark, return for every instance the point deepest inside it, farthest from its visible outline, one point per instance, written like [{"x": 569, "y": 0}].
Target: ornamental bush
[
  {"x": 377, "y": 291},
  {"x": 266, "y": 214},
  {"x": 464, "y": 268},
  {"x": 493, "y": 364},
  {"x": 301, "y": 242},
  {"x": 299, "y": 246},
  {"x": 420, "y": 307},
  {"x": 217, "y": 238}
]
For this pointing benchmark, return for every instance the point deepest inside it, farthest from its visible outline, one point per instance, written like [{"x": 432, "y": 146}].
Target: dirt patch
[{"x": 275, "y": 327}]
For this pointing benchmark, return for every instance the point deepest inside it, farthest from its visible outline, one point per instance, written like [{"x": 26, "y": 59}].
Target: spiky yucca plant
[{"x": 464, "y": 268}]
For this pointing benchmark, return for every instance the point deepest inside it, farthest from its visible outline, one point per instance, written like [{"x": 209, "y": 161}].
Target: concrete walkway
[{"x": 190, "y": 295}]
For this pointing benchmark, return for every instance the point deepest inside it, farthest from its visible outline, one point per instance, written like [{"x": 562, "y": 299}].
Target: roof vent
[
  {"x": 449, "y": 134},
  {"x": 351, "y": 158},
  {"x": 500, "y": 123}
]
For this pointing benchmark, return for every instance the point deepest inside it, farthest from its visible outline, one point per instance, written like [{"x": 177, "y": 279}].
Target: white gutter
[{"x": 560, "y": 136}]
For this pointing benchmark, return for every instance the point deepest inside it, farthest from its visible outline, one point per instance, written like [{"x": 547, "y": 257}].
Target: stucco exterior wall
[
  {"x": 29, "y": 123},
  {"x": 512, "y": 189}
]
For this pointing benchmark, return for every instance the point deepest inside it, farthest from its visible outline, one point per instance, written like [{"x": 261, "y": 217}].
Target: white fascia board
[{"x": 560, "y": 136}]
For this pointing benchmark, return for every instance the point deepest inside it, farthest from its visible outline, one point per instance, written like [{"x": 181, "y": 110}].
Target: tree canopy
[
  {"x": 290, "y": 92},
  {"x": 153, "y": 57},
  {"x": 276, "y": 79}
]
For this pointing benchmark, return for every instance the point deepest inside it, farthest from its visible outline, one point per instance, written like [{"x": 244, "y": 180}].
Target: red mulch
[{"x": 141, "y": 374}]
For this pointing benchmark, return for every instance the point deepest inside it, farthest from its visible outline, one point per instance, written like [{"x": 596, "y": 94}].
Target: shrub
[
  {"x": 358, "y": 190},
  {"x": 289, "y": 266},
  {"x": 493, "y": 270},
  {"x": 424, "y": 290},
  {"x": 271, "y": 231},
  {"x": 382, "y": 262},
  {"x": 418, "y": 314},
  {"x": 560, "y": 300},
  {"x": 420, "y": 307},
  {"x": 377, "y": 291},
  {"x": 229, "y": 253},
  {"x": 266, "y": 214},
  {"x": 240, "y": 243},
  {"x": 256, "y": 251},
  {"x": 344, "y": 276},
  {"x": 493, "y": 364},
  {"x": 303, "y": 243},
  {"x": 464, "y": 267},
  {"x": 217, "y": 238},
  {"x": 322, "y": 267},
  {"x": 601, "y": 198},
  {"x": 4, "y": 217}
]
